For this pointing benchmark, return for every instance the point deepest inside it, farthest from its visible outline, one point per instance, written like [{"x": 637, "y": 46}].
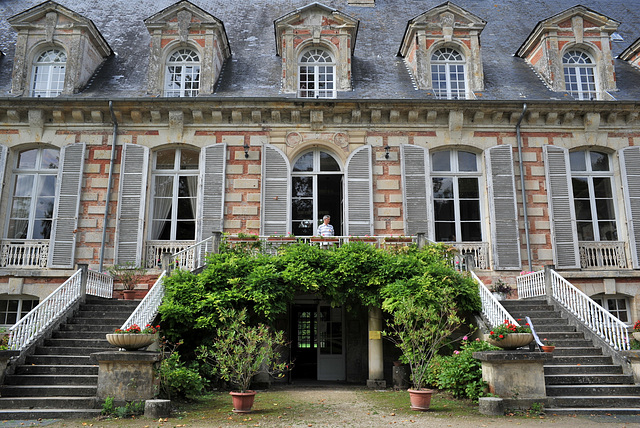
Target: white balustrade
[
  {"x": 602, "y": 254},
  {"x": 479, "y": 250},
  {"x": 148, "y": 307},
  {"x": 193, "y": 256},
  {"x": 99, "y": 284},
  {"x": 155, "y": 250},
  {"x": 492, "y": 309},
  {"x": 594, "y": 316},
  {"x": 24, "y": 254},
  {"x": 48, "y": 311},
  {"x": 531, "y": 285}
]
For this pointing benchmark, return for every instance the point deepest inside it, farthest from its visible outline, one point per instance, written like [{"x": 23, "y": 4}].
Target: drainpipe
[
  {"x": 108, "y": 197},
  {"x": 524, "y": 193}
]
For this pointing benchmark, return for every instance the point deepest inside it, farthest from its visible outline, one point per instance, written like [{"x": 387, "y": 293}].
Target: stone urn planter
[
  {"x": 131, "y": 342},
  {"x": 242, "y": 401},
  {"x": 636, "y": 335},
  {"x": 512, "y": 341},
  {"x": 420, "y": 399}
]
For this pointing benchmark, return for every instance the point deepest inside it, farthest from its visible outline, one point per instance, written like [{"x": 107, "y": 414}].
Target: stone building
[{"x": 506, "y": 129}]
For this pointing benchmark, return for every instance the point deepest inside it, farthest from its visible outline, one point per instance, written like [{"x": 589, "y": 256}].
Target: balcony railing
[
  {"x": 24, "y": 254},
  {"x": 479, "y": 250},
  {"x": 155, "y": 249},
  {"x": 602, "y": 254}
]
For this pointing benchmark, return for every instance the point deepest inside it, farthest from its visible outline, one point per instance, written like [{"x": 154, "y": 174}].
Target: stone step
[
  {"x": 559, "y": 335},
  {"x": 62, "y": 350},
  {"x": 567, "y": 343},
  {"x": 116, "y": 308},
  {"x": 554, "y": 328},
  {"x": 60, "y": 359},
  {"x": 592, "y": 411},
  {"x": 534, "y": 314},
  {"x": 55, "y": 379},
  {"x": 611, "y": 402},
  {"x": 48, "y": 391},
  {"x": 39, "y": 414},
  {"x": 104, "y": 329},
  {"x": 586, "y": 379},
  {"x": 48, "y": 403},
  {"x": 96, "y": 335},
  {"x": 100, "y": 342},
  {"x": 99, "y": 320},
  {"x": 60, "y": 370},
  {"x": 575, "y": 351},
  {"x": 104, "y": 314},
  {"x": 592, "y": 390},
  {"x": 580, "y": 360},
  {"x": 582, "y": 369}
]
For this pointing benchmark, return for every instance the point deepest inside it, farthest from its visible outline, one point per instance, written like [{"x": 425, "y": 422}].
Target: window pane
[
  {"x": 302, "y": 186},
  {"x": 328, "y": 163},
  {"x": 580, "y": 187},
  {"x": 470, "y": 210},
  {"x": 585, "y": 231},
  {"x": 20, "y": 208},
  {"x": 445, "y": 232},
  {"x": 41, "y": 229},
  {"x": 27, "y": 159},
  {"x": 186, "y": 230},
  {"x": 44, "y": 207},
  {"x": 187, "y": 186},
  {"x": 165, "y": 159},
  {"x": 302, "y": 209},
  {"x": 605, "y": 209},
  {"x": 583, "y": 209},
  {"x": 50, "y": 159},
  {"x": 443, "y": 210},
  {"x": 467, "y": 162},
  {"x": 599, "y": 161},
  {"x": 303, "y": 228},
  {"x": 161, "y": 230},
  {"x": 602, "y": 187},
  {"x": 471, "y": 231},
  {"x": 47, "y": 185},
  {"x": 304, "y": 163},
  {"x": 577, "y": 161},
  {"x": 18, "y": 229},
  {"x": 608, "y": 230},
  {"x": 442, "y": 187},
  {"x": 468, "y": 188},
  {"x": 440, "y": 161},
  {"x": 189, "y": 159}
]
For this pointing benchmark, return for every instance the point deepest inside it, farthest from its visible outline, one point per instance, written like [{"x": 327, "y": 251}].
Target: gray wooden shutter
[
  {"x": 3, "y": 163},
  {"x": 212, "y": 187},
  {"x": 503, "y": 209},
  {"x": 65, "y": 214},
  {"x": 630, "y": 169},
  {"x": 561, "y": 210},
  {"x": 416, "y": 189},
  {"x": 359, "y": 193},
  {"x": 276, "y": 219},
  {"x": 131, "y": 204}
]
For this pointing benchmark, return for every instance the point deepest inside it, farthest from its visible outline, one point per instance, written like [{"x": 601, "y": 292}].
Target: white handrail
[
  {"x": 597, "y": 318},
  {"x": 492, "y": 309},
  {"x": 99, "y": 284},
  {"x": 192, "y": 257},
  {"x": 48, "y": 311},
  {"x": 531, "y": 285},
  {"x": 148, "y": 308}
]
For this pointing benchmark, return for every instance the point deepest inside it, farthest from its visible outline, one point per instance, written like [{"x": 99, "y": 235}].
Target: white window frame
[
  {"x": 175, "y": 173},
  {"x": 49, "y": 70},
  {"x": 37, "y": 172},
  {"x": 452, "y": 63},
  {"x": 590, "y": 175},
  {"x": 314, "y": 173},
  {"x": 317, "y": 58},
  {"x": 603, "y": 300},
  {"x": 455, "y": 174},
  {"x": 182, "y": 64},
  {"x": 581, "y": 66},
  {"x": 19, "y": 310}
]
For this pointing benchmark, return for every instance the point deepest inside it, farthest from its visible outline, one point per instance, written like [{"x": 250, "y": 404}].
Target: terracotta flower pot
[
  {"x": 420, "y": 399},
  {"x": 547, "y": 348},
  {"x": 242, "y": 401},
  {"x": 129, "y": 294},
  {"x": 512, "y": 341},
  {"x": 131, "y": 342}
]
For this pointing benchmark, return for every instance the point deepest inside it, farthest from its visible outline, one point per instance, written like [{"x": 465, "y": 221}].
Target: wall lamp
[
  {"x": 386, "y": 151},
  {"x": 246, "y": 150}
]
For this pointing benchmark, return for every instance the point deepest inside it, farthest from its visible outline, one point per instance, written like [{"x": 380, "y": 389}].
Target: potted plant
[
  {"x": 636, "y": 331},
  {"x": 241, "y": 351},
  {"x": 501, "y": 290},
  {"x": 548, "y": 345},
  {"x": 128, "y": 275},
  {"x": 133, "y": 338},
  {"x": 419, "y": 331},
  {"x": 510, "y": 336}
]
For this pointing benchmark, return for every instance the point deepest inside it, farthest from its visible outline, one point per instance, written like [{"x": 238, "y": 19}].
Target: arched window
[
  {"x": 448, "y": 74},
  {"x": 316, "y": 190},
  {"x": 316, "y": 74},
  {"x": 182, "y": 76},
  {"x": 579, "y": 75},
  {"x": 48, "y": 73},
  {"x": 593, "y": 196},
  {"x": 175, "y": 195},
  {"x": 456, "y": 196},
  {"x": 34, "y": 191}
]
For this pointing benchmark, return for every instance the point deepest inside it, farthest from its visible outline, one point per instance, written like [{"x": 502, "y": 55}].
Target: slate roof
[{"x": 254, "y": 70}]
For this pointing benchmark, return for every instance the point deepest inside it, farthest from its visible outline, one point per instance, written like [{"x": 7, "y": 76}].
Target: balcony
[
  {"x": 155, "y": 249},
  {"x": 602, "y": 254},
  {"x": 24, "y": 254},
  {"x": 479, "y": 251}
]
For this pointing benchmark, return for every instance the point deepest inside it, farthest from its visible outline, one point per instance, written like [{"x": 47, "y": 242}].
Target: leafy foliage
[
  {"x": 460, "y": 373},
  {"x": 127, "y": 274},
  {"x": 178, "y": 380},
  {"x": 505, "y": 329}
]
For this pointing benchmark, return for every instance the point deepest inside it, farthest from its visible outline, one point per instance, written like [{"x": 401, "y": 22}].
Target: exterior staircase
[
  {"x": 579, "y": 379},
  {"x": 59, "y": 380}
]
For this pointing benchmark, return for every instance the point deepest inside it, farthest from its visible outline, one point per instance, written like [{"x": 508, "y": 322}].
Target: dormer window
[
  {"x": 48, "y": 73},
  {"x": 317, "y": 74},
  {"x": 448, "y": 74},
  {"x": 579, "y": 76},
  {"x": 182, "y": 77}
]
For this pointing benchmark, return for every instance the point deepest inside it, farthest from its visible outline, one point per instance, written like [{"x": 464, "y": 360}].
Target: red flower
[{"x": 501, "y": 336}]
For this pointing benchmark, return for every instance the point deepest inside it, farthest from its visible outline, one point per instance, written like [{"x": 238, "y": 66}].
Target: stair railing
[
  {"x": 192, "y": 257},
  {"x": 531, "y": 285},
  {"x": 147, "y": 310},
  {"x": 594, "y": 316},
  {"x": 492, "y": 309},
  {"x": 47, "y": 312},
  {"x": 99, "y": 284}
]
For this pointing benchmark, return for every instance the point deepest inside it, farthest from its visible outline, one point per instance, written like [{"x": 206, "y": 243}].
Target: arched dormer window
[
  {"x": 316, "y": 74},
  {"x": 448, "y": 74},
  {"x": 579, "y": 75},
  {"x": 182, "y": 76},
  {"x": 48, "y": 73}
]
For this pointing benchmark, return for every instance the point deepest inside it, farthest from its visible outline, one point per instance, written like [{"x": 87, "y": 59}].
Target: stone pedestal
[
  {"x": 126, "y": 376},
  {"x": 376, "y": 368},
  {"x": 5, "y": 357},
  {"x": 514, "y": 374},
  {"x": 155, "y": 409},
  {"x": 634, "y": 360}
]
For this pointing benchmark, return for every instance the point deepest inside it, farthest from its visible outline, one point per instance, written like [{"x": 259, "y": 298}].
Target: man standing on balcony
[{"x": 325, "y": 229}]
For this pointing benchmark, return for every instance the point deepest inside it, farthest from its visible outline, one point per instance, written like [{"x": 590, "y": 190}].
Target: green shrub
[
  {"x": 131, "y": 408},
  {"x": 178, "y": 380},
  {"x": 460, "y": 373}
]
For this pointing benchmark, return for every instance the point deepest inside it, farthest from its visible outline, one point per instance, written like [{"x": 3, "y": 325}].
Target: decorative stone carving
[
  {"x": 51, "y": 21},
  {"x": 340, "y": 139},
  {"x": 184, "y": 19}
]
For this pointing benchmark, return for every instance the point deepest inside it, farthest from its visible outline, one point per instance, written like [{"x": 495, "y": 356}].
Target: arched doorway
[{"x": 317, "y": 190}]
